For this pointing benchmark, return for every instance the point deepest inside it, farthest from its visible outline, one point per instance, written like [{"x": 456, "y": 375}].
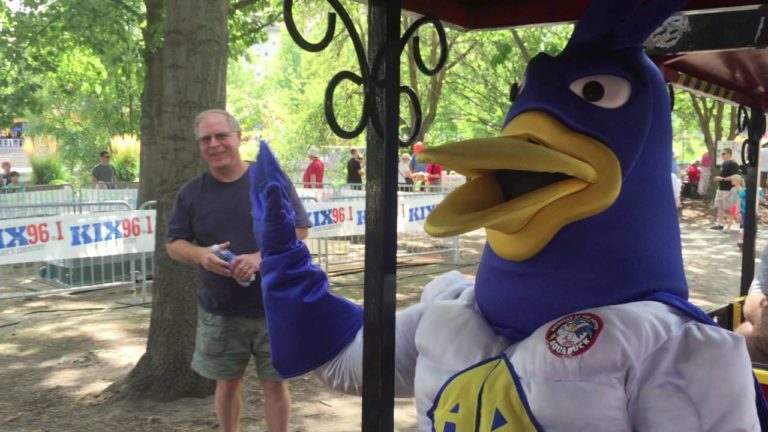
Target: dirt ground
[{"x": 58, "y": 353}]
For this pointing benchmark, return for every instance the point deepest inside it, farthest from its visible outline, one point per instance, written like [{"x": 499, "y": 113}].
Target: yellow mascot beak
[{"x": 526, "y": 184}]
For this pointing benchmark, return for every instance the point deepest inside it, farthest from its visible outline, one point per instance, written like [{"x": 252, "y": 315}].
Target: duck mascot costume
[{"x": 578, "y": 318}]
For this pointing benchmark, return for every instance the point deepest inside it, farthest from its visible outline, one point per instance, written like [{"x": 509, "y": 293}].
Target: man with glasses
[
  {"x": 727, "y": 170},
  {"x": 214, "y": 208},
  {"x": 103, "y": 173}
]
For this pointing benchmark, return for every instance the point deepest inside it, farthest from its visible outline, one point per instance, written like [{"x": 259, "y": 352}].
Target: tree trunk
[{"x": 187, "y": 75}]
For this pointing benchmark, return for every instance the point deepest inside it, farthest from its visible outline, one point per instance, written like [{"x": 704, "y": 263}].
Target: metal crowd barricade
[
  {"x": 31, "y": 201},
  {"x": 124, "y": 191},
  {"x": 10, "y": 142},
  {"x": 320, "y": 193},
  {"x": 147, "y": 259},
  {"x": 350, "y": 249},
  {"x": 91, "y": 273},
  {"x": 74, "y": 274},
  {"x": 350, "y": 190}
]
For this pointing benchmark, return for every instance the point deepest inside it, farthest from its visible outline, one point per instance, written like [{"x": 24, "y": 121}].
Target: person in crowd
[
  {"x": 721, "y": 203},
  {"x": 763, "y": 165},
  {"x": 755, "y": 325},
  {"x": 104, "y": 172},
  {"x": 694, "y": 176},
  {"x": 355, "y": 170},
  {"x": 6, "y": 173},
  {"x": 214, "y": 208},
  {"x": 14, "y": 185},
  {"x": 734, "y": 201},
  {"x": 434, "y": 176},
  {"x": 404, "y": 178},
  {"x": 417, "y": 168},
  {"x": 676, "y": 188},
  {"x": 706, "y": 173},
  {"x": 677, "y": 185},
  {"x": 743, "y": 210},
  {"x": 313, "y": 174}
]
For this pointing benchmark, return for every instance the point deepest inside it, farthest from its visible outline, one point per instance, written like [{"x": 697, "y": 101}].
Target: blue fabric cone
[{"x": 308, "y": 325}]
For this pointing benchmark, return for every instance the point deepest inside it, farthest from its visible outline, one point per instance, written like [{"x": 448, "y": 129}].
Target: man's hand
[
  {"x": 243, "y": 266},
  {"x": 212, "y": 263}
]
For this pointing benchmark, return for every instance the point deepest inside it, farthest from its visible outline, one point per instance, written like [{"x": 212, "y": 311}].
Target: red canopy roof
[
  {"x": 486, "y": 14},
  {"x": 727, "y": 60}
]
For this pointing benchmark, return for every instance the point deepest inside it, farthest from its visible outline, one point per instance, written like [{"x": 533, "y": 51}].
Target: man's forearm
[{"x": 184, "y": 251}]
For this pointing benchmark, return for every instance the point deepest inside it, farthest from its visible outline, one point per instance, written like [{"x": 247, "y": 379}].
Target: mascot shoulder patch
[{"x": 574, "y": 334}]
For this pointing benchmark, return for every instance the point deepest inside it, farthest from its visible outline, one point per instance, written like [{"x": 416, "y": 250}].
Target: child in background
[
  {"x": 734, "y": 200},
  {"x": 743, "y": 210},
  {"x": 13, "y": 185}
]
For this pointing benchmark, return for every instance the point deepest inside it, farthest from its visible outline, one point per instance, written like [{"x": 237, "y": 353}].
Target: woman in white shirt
[{"x": 404, "y": 178}]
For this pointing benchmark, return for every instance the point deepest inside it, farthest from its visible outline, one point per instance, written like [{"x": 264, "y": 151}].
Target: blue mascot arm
[{"x": 308, "y": 326}]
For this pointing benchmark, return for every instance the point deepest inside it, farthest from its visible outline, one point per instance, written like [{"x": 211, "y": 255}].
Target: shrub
[
  {"x": 125, "y": 157},
  {"x": 46, "y": 169}
]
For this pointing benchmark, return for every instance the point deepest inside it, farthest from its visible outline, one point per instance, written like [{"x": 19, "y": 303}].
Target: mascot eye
[{"x": 606, "y": 91}]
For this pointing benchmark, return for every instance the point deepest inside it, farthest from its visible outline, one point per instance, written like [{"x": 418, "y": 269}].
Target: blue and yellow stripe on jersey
[{"x": 486, "y": 397}]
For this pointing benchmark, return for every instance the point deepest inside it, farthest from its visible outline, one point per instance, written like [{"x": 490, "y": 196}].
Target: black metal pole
[
  {"x": 381, "y": 218},
  {"x": 755, "y": 130}
]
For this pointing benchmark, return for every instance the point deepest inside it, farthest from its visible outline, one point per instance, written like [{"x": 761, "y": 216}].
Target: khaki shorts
[
  {"x": 720, "y": 200},
  {"x": 225, "y": 344}
]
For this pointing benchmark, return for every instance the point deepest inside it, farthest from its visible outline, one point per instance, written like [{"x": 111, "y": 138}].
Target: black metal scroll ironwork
[
  {"x": 754, "y": 125},
  {"x": 381, "y": 108},
  {"x": 366, "y": 72}
]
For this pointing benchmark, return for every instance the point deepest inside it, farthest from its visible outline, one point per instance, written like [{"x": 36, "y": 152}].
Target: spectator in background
[
  {"x": 313, "y": 175},
  {"x": 706, "y": 173},
  {"x": 355, "y": 170},
  {"x": 417, "y": 168},
  {"x": 14, "y": 185},
  {"x": 404, "y": 173},
  {"x": 6, "y": 173},
  {"x": 104, "y": 172},
  {"x": 743, "y": 210},
  {"x": 677, "y": 185},
  {"x": 763, "y": 164},
  {"x": 694, "y": 175},
  {"x": 734, "y": 200},
  {"x": 722, "y": 203},
  {"x": 434, "y": 175}
]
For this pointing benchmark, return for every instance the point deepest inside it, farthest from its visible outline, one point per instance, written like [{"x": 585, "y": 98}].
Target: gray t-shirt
[
  {"x": 104, "y": 173},
  {"x": 209, "y": 212}
]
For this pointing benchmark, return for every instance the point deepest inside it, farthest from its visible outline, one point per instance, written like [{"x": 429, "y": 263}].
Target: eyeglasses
[
  {"x": 219, "y": 137},
  {"x": 106, "y": 157}
]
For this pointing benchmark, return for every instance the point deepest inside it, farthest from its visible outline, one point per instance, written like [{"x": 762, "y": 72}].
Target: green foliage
[
  {"x": 77, "y": 74},
  {"x": 476, "y": 96},
  {"x": 126, "y": 166},
  {"x": 280, "y": 98},
  {"x": 46, "y": 169},
  {"x": 125, "y": 151},
  {"x": 247, "y": 25},
  {"x": 74, "y": 69}
]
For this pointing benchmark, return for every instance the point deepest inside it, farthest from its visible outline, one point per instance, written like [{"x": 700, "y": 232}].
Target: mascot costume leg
[{"x": 579, "y": 318}]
